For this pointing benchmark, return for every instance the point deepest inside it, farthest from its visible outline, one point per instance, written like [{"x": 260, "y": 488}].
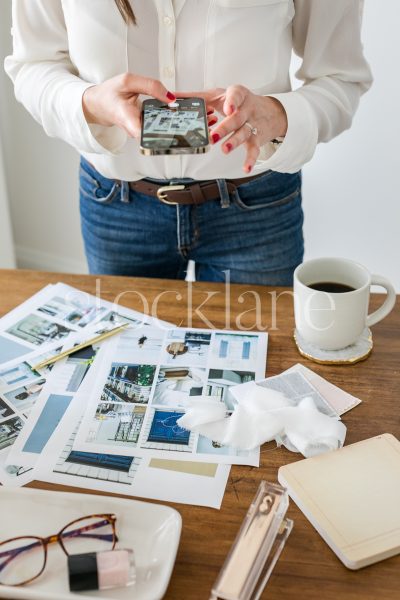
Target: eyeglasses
[{"x": 23, "y": 559}]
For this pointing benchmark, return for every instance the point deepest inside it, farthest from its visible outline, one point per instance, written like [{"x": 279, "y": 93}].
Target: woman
[{"x": 81, "y": 68}]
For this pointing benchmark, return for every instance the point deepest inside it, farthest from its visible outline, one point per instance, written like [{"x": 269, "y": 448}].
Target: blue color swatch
[
  {"x": 52, "y": 413},
  {"x": 10, "y": 350}
]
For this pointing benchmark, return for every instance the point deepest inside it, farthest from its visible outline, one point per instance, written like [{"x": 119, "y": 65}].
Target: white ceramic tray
[{"x": 152, "y": 530}]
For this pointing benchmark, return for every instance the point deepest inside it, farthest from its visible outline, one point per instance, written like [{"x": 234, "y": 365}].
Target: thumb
[
  {"x": 130, "y": 119},
  {"x": 151, "y": 87}
]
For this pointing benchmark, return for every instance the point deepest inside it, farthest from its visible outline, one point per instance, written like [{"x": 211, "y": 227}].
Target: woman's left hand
[{"x": 241, "y": 106}]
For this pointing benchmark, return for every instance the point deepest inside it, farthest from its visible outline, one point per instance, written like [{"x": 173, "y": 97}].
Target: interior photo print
[
  {"x": 36, "y": 330},
  {"x": 116, "y": 424},
  {"x": 199, "y": 312}
]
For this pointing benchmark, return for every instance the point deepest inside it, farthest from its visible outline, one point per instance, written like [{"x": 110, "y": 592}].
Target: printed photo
[
  {"x": 206, "y": 446},
  {"x": 129, "y": 383},
  {"x": 11, "y": 350},
  {"x": 20, "y": 374},
  {"x": 116, "y": 424},
  {"x": 187, "y": 348},
  {"x": 220, "y": 380},
  {"x": 114, "y": 319},
  {"x": 93, "y": 465},
  {"x": 37, "y": 331},
  {"x": 176, "y": 385},
  {"x": 9, "y": 431},
  {"x": 23, "y": 398},
  {"x": 164, "y": 429},
  {"x": 80, "y": 363},
  {"x": 143, "y": 344},
  {"x": 75, "y": 310},
  {"x": 5, "y": 410},
  {"x": 296, "y": 387},
  {"x": 233, "y": 349},
  {"x": 38, "y": 359}
]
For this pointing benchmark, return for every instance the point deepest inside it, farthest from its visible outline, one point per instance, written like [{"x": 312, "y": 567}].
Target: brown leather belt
[{"x": 197, "y": 192}]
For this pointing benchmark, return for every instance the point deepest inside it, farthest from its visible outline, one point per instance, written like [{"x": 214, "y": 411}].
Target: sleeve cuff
[
  {"x": 86, "y": 137},
  {"x": 301, "y": 138}
]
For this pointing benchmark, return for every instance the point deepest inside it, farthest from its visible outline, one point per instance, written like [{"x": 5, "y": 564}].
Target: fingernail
[
  {"x": 171, "y": 96},
  {"x": 229, "y": 146},
  {"x": 212, "y": 121},
  {"x": 232, "y": 108},
  {"x": 249, "y": 168},
  {"x": 215, "y": 137},
  {"x": 210, "y": 112}
]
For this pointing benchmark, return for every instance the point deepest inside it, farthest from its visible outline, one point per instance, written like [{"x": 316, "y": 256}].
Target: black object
[
  {"x": 82, "y": 569},
  {"x": 331, "y": 287}
]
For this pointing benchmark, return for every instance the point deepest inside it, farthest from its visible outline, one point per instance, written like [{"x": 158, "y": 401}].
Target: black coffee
[{"x": 331, "y": 287}]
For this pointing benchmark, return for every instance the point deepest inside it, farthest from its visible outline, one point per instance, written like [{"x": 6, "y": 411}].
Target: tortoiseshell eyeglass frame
[{"x": 37, "y": 541}]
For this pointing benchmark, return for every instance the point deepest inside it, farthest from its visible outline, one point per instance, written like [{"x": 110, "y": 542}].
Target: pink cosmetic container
[{"x": 101, "y": 570}]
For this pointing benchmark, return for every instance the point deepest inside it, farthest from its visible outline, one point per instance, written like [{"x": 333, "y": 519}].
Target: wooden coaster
[{"x": 350, "y": 355}]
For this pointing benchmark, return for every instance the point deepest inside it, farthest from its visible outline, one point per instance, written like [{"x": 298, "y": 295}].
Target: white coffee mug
[{"x": 334, "y": 320}]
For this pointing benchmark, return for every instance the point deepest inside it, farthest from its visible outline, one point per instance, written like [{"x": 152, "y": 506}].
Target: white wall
[
  {"x": 351, "y": 197},
  {"x": 351, "y": 191},
  {"x": 7, "y": 255},
  {"x": 42, "y": 176}
]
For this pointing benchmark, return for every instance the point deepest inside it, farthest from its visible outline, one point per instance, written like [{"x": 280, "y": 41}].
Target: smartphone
[{"x": 180, "y": 127}]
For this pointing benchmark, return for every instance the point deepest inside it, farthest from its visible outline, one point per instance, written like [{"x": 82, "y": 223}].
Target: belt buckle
[{"x": 163, "y": 196}]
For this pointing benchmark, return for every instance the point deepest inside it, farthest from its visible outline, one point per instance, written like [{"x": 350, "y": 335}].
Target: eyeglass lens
[{"x": 23, "y": 559}]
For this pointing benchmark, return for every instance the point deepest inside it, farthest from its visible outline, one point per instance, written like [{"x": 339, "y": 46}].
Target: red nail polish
[
  {"x": 212, "y": 122},
  {"x": 215, "y": 137},
  {"x": 171, "y": 96},
  {"x": 229, "y": 147},
  {"x": 232, "y": 108},
  {"x": 249, "y": 168},
  {"x": 210, "y": 112}
]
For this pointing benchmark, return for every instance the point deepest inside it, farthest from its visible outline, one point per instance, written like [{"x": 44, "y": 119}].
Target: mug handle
[{"x": 389, "y": 303}]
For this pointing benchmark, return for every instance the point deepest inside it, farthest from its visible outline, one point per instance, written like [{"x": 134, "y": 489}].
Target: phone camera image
[{"x": 177, "y": 128}]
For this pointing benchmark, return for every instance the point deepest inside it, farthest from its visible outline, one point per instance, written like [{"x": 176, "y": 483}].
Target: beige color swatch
[{"x": 182, "y": 466}]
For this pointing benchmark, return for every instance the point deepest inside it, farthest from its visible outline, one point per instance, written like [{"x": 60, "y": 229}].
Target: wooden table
[{"x": 307, "y": 570}]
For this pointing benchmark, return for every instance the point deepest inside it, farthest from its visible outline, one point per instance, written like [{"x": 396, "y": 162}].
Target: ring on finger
[{"x": 253, "y": 130}]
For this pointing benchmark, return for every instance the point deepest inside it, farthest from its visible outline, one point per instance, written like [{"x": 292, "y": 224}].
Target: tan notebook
[{"x": 352, "y": 498}]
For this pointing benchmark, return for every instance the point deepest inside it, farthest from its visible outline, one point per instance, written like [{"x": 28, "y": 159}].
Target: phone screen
[{"x": 173, "y": 127}]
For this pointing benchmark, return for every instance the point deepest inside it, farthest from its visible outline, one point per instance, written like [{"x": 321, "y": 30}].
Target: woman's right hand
[{"x": 116, "y": 101}]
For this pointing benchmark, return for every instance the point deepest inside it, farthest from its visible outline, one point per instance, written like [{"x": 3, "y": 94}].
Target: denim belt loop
[
  {"x": 125, "y": 189},
  {"x": 224, "y": 193}
]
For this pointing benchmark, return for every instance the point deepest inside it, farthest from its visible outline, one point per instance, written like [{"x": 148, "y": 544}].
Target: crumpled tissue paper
[{"x": 262, "y": 415}]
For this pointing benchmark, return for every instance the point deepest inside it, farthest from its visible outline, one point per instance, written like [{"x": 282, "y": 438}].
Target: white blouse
[{"x": 61, "y": 47}]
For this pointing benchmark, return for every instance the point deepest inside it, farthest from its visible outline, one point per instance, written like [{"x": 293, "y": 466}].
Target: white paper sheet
[
  {"x": 338, "y": 399},
  {"x": 20, "y": 387},
  {"x": 172, "y": 481},
  {"x": 44, "y": 447},
  {"x": 47, "y": 415},
  {"x": 45, "y": 450},
  {"x": 88, "y": 314},
  {"x": 139, "y": 392},
  {"x": 56, "y": 315},
  {"x": 169, "y": 481}
]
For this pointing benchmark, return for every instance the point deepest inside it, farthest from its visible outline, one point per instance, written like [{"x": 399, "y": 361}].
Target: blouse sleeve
[
  {"x": 46, "y": 81},
  {"x": 327, "y": 36}
]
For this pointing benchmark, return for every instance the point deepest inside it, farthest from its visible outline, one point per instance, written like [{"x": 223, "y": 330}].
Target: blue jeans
[{"x": 255, "y": 234}]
